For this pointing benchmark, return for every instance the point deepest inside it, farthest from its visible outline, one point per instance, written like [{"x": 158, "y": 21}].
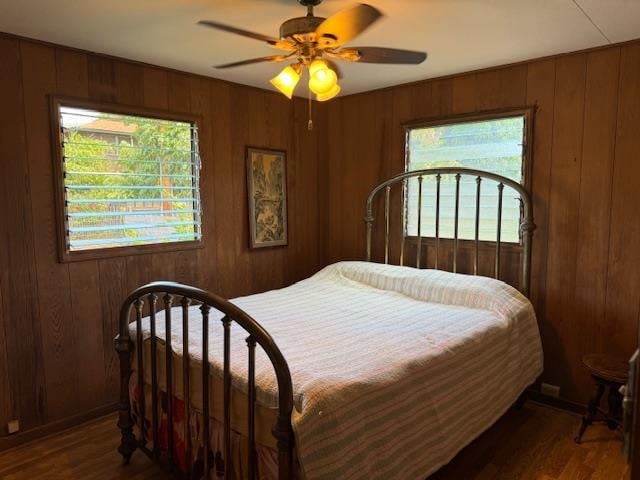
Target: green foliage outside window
[
  {"x": 489, "y": 145},
  {"x": 115, "y": 176}
]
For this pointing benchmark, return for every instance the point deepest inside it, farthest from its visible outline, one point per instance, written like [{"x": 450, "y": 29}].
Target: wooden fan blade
[
  {"x": 272, "y": 58},
  {"x": 275, "y": 42},
  {"x": 387, "y": 55},
  {"x": 346, "y": 24}
]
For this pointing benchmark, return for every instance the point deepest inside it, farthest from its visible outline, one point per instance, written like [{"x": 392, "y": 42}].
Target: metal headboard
[{"x": 526, "y": 218}]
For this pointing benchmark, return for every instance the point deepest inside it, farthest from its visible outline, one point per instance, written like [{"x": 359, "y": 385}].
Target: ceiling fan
[{"x": 313, "y": 42}]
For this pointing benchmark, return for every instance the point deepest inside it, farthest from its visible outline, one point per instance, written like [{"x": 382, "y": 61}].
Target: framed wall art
[{"x": 267, "y": 190}]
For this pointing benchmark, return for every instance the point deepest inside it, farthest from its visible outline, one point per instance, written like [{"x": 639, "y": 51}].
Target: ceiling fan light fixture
[
  {"x": 287, "y": 80},
  {"x": 323, "y": 81},
  {"x": 310, "y": 40},
  {"x": 323, "y": 97},
  {"x": 316, "y": 65}
]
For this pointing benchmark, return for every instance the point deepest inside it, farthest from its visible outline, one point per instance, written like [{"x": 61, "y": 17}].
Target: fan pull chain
[{"x": 310, "y": 124}]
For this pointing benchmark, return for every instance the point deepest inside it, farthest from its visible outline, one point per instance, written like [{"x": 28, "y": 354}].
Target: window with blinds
[
  {"x": 496, "y": 146},
  {"x": 128, "y": 180}
]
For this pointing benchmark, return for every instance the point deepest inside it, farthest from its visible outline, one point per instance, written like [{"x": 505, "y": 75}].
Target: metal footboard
[{"x": 170, "y": 294}]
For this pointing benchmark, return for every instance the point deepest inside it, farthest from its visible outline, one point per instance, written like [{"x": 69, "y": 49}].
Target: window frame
[
  {"x": 528, "y": 113},
  {"x": 65, "y": 255}
]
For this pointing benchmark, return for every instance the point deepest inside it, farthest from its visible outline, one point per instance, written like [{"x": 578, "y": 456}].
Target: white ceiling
[{"x": 459, "y": 35}]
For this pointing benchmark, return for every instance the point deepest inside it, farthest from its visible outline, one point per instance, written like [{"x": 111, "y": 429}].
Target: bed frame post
[
  {"x": 368, "y": 220},
  {"x": 526, "y": 230},
  {"x": 128, "y": 443},
  {"x": 284, "y": 433}
]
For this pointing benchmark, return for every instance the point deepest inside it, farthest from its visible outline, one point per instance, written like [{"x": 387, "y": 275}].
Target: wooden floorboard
[{"x": 535, "y": 443}]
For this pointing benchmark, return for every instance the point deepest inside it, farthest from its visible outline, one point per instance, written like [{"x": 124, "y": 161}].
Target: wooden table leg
[
  {"x": 615, "y": 405},
  {"x": 592, "y": 410}
]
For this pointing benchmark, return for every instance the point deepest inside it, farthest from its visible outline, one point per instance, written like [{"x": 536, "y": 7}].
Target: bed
[{"x": 363, "y": 371}]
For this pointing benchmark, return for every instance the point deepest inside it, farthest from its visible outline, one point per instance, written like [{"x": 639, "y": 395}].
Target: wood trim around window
[
  {"x": 527, "y": 112},
  {"x": 527, "y": 161},
  {"x": 55, "y": 102}
]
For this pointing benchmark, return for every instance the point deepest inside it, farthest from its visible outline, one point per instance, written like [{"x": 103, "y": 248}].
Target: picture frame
[{"x": 267, "y": 197}]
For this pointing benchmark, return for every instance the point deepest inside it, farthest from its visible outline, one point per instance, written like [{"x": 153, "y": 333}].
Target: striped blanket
[{"x": 394, "y": 369}]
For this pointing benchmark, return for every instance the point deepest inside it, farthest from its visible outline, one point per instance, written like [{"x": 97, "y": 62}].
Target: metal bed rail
[{"x": 171, "y": 293}]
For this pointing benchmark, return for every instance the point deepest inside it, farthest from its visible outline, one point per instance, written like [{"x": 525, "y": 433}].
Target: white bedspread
[{"x": 394, "y": 369}]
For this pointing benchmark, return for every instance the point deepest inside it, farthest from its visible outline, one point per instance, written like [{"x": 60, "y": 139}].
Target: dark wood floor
[
  {"x": 536, "y": 443},
  {"x": 532, "y": 443}
]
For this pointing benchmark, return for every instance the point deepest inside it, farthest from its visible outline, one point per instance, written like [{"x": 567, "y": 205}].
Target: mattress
[{"x": 394, "y": 369}]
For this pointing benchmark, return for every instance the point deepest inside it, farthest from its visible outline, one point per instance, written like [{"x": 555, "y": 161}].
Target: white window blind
[
  {"x": 490, "y": 145},
  {"x": 128, "y": 180}
]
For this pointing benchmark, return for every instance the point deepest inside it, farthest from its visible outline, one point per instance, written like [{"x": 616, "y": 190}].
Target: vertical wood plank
[
  {"x": 239, "y": 241},
  {"x": 71, "y": 73},
  {"x": 541, "y": 79},
  {"x": 55, "y": 313},
  {"x": 464, "y": 96},
  {"x": 102, "y": 79},
  {"x": 421, "y": 106},
  {"x": 442, "y": 97},
  {"x": 129, "y": 82},
  {"x": 178, "y": 92},
  {"x": 352, "y": 158},
  {"x": 297, "y": 157},
  {"x": 501, "y": 88},
  {"x": 113, "y": 289},
  {"x": 205, "y": 268},
  {"x": 334, "y": 194},
  {"x": 563, "y": 211},
  {"x": 91, "y": 337},
  {"x": 6, "y": 399},
  {"x": 306, "y": 179},
  {"x": 623, "y": 275},
  {"x": 324, "y": 167},
  {"x": 225, "y": 217},
  {"x": 598, "y": 149},
  {"x": 18, "y": 279}
]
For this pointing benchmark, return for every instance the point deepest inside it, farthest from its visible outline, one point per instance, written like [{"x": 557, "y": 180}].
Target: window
[
  {"x": 126, "y": 180},
  {"x": 495, "y": 145}
]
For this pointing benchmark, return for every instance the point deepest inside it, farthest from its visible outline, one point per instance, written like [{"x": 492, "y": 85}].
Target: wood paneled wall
[
  {"x": 585, "y": 181},
  {"x": 57, "y": 321}
]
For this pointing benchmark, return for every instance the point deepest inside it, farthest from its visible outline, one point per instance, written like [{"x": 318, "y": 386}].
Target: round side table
[{"x": 607, "y": 372}]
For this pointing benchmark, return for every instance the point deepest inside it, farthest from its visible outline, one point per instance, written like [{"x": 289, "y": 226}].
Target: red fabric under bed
[{"x": 267, "y": 457}]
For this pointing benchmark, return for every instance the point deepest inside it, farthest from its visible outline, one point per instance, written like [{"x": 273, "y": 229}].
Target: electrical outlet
[
  {"x": 550, "y": 390},
  {"x": 13, "y": 426}
]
